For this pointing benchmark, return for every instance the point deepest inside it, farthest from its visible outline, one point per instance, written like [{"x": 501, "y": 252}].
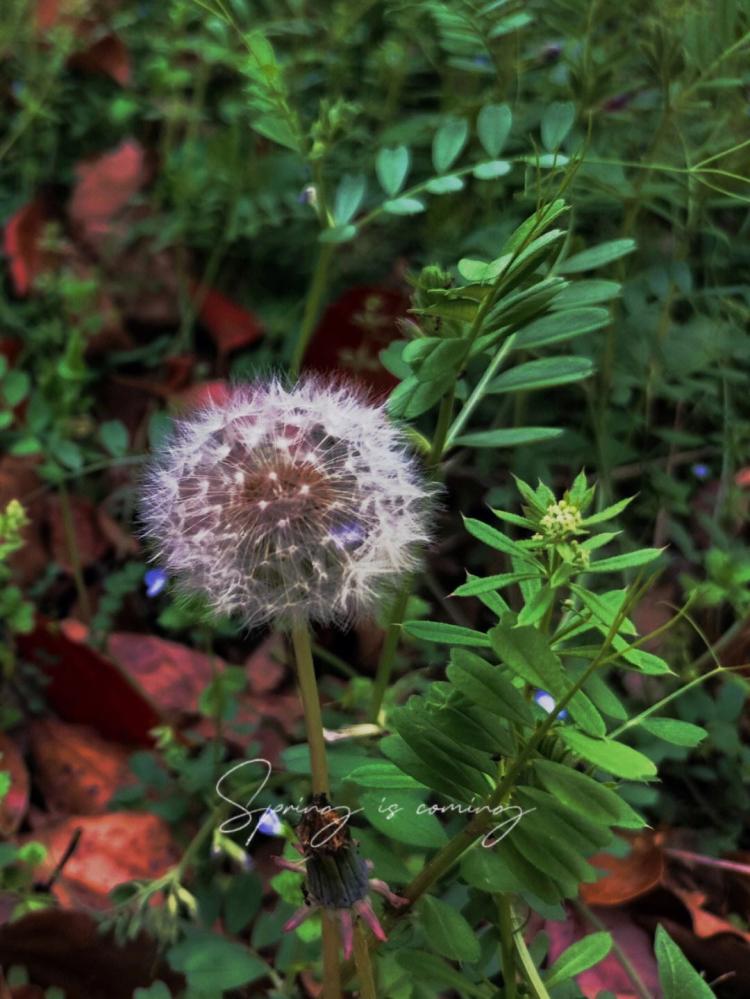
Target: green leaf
[
  {"x": 580, "y": 956},
  {"x": 541, "y": 374},
  {"x": 492, "y": 169},
  {"x": 489, "y": 535},
  {"x": 403, "y": 206},
  {"x": 493, "y": 126},
  {"x": 69, "y": 454},
  {"x": 447, "y": 930},
  {"x": 448, "y": 634},
  {"x": 382, "y": 775},
  {"x": 482, "y": 271},
  {"x": 445, "y": 185},
  {"x": 486, "y": 584},
  {"x": 421, "y": 966},
  {"x": 609, "y": 512},
  {"x": 114, "y": 436},
  {"x": 396, "y": 750},
  {"x": 449, "y": 140},
  {"x": 338, "y": 234},
  {"x": 587, "y": 795},
  {"x": 557, "y": 121},
  {"x": 392, "y": 166},
  {"x": 560, "y": 326},
  {"x": 678, "y": 978},
  {"x": 628, "y": 561},
  {"x": 597, "y": 256},
  {"x": 678, "y": 733},
  {"x": 398, "y": 819},
  {"x": 487, "y": 870},
  {"x": 582, "y": 293},
  {"x": 25, "y": 445},
  {"x": 613, "y": 757},
  {"x": 16, "y": 385},
  {"x": 512, "y": 437},
  {"x": 485, "y": 685},
  {"x": 526, "y": 652},
  {"x": 214, "y": 964},
  {"x": 242, "y": 901},
  {"x": 278, "y": 130},
  {"x": 348, "y": 197}
]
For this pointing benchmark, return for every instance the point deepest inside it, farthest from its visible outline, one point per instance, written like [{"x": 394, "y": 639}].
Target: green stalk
[
  {"x": 320, "y": 785},
  {"x": 507, "y": 951},
  {"x": 363, "y": 963},
  {"x": 313, "y": 301},
  {"x": 311, "y": 706}
]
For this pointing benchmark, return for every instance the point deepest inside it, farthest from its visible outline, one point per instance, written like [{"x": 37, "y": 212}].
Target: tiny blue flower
[
  {"x": 701, "y": 471},
  {"x": 156, "y": 581},
  {"x": 547, "y": 702},
  {"x": 270, "y": 823}
]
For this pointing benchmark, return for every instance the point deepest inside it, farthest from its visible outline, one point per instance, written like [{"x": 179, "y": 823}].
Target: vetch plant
[{"x": 534, "y": 721}]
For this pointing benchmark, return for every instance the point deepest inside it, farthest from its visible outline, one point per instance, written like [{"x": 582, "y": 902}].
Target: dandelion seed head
[{"x": 287, "y": 504}]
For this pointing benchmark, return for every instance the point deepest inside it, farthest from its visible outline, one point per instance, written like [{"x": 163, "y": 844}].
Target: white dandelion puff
[{"x": 287, "y": 505}]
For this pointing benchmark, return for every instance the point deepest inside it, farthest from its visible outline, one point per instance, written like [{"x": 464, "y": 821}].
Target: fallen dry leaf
[
  {"x": 19, "y": 480},
  {"x": 230, "y": 325},
  {"x": 22, "y": 244},
  {"x": 172, "y": 675},
  {"x": 104, "y": 187},
  {"x": 113, "y": 848},
  {"x": 628, "y": 877},
  {"x": 87, "y": 687},
  {"x": 69, "y": 951},
  {"x": 266, "y": 666},
  {"x": 91, "y": 544},
  {"x": 352, "y": 332},
  {"x": 106, "y": 55},
  {"x": 76, "y": 770},
  {"x": 15, "y": 804}
]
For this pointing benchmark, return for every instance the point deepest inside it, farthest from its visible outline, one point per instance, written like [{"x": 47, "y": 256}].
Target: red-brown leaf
[
  {"x": 628, "y": 877},
  {"x": 22, "y": 239},
  {"x": 113, "y": 848},
  {"x": 68, "y": 950},
  {"x": 172, "y": 675},
  {"x": 231, "y": 326},
  {"x": 108, "y": 56},
  {"x": 90, "y": 543},
  {"x": 88, "y": 688},
  {"x": 353, "y": 331},
  {"x": 76, "y": 770},
  {"x": 105, "y": 186}
]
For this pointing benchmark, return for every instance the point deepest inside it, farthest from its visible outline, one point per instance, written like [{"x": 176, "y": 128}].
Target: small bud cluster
[
  {"x": 561, "y": 520},
  {"x": 287, "y": 505}
]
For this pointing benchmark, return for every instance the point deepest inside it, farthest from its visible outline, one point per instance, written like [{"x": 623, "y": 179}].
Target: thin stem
[
  {"x": 331, "y": 964},
  {"x": 627, "y": 965},
  {"x": 476, "y": 396},
  {"x": 312, "y": 306},
  {"x": 390, "y": 644},
  {"x": 363, "y": 963},
  {"x": 530, "y": 973},
  {"x": 507, "y": 951},
  {"x": 311, "y": 706},
  {"x": 398, "y": 609},
  {"x": 72, "y": 546}
]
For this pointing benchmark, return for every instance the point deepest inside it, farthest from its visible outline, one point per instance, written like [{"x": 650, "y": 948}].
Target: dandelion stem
[
  {"x": 331, "y": 965},
  {"x": 311, "y": 706},
  {"x": 363, "y": 963},
  {"x": 319, "y": 771}
]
